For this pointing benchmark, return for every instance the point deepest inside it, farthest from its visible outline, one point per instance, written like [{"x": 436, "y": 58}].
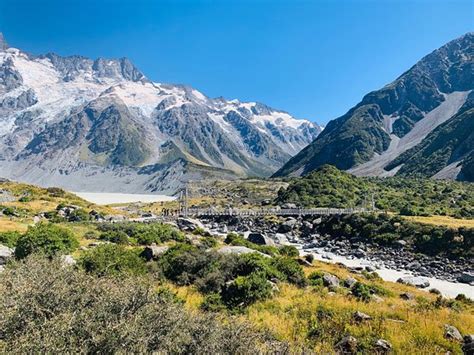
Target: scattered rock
[
  {"x": 189, "y": 224},
  {"x": 349, "y": 282},
  {"x": 152, "y": 252},
  {"x": 347, "y": 345},
  {"x": 377, "y": 299},
  {"x": 260, "y": 239},
  {"x": 68, "y": 260},
  {"x": 468, "y": 346},
  {"x": 466, "y": 277},
  {"x": 330, "y": 280},
  {"x": 361, "y": 317},
  {"x": 452, "y": 333},
  {"x": 419, "y": 282},
  {"x": 6, "y": 254},
  {"x": 383, "y": 346},
  {"x": 407, "y": 296}
]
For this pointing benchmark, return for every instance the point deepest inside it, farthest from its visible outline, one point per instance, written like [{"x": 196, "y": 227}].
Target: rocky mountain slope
[
  {"x": 80, "y": 124},
  {"x": 419, "y": 125}
]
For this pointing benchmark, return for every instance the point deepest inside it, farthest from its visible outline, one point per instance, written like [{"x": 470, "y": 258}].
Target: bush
[
  {"x": 292, "y": 271},
  {"x": 245, "y": 290},
  {"x": 145, "y": 233},
  {"x": 9, "y": 238},
  {"x": 76, "y": 313},
  {"x": 289, "y": 250},
  {"x": 316, "y": 278},
  {"x": 45, "y": 238},
  {"x": 361, "y": 291},
  {"x": 113, "y": 260},
  {"x": 117, "y": 237}
]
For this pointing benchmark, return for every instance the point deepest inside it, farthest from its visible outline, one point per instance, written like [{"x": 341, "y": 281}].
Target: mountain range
[
  {"x": 420, "y": 125},
  {"x": 102, "y": 125}
]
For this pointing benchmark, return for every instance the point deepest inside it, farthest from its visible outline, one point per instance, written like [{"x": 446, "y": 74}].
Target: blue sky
[{"x": 314, "y": 59}]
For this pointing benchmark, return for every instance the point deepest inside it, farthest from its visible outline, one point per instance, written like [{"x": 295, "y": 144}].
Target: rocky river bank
[{"x": 307, "y": 234}]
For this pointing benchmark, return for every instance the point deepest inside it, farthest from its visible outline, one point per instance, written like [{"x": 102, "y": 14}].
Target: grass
[
  {"x": 443, "y": 221},
  {"x": 7, "y": 225}
]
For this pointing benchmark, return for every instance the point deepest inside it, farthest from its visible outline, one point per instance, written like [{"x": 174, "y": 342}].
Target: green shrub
[
  {"x": 213, "y": 303},
  {"x": 45, "y": 238},
  {"x": 289, "y": 250},
  {"x": 9, "y": 238},
  {"x": 209, "y": 242},
  {"x": 8, "y": 211},
  {"x": 145, "y": 233},
  {"x": 245, "y": 290},
  {"x": 117, "y": 237},
  {"x": 113, "y": 260},
  {"x": 316, "y": 278},
  {"x": 361, "y": 291},
  {"x": 48, "y": 308},
  {"x": 292, "y": 271}
]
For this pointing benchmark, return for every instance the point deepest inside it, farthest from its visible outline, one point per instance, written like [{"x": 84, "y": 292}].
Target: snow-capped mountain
[
  {"x": 420, "y": 125},
  {"x": 101, "y": 125}
]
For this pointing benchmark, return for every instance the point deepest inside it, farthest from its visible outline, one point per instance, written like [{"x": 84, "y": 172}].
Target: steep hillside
[
  {"x": 400, "y": 116},
  {"x": 78, "y": 122}
]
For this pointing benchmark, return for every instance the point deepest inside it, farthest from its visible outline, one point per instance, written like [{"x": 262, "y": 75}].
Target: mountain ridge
[
  {"x": 67, "y": 113},
  {"x": 375, "y": 131}
]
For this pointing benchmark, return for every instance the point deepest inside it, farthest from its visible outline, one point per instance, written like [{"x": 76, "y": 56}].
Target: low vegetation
[
  {"x": 330, "y": 187},
  {"x": 387, "y": 229}
]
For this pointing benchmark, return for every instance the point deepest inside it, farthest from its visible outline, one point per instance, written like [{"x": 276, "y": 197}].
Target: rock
[
  {"x": 400, "y": 243},
  {"x": 419, "y": 282},
  {"x": 6, "y": 254},
  {"x": 330, "y": 280},
  {"x": 260, "y": 239},
  {"x": 68, "y": 260},
  {"x": 468, "y": 346},
  {"x": 383, "y": 346},
  {"x": 230, "y": 249},
  {"x": 287, "y": 226},
  {"x": 287, "y": 206},
  {"x": 369, "y": 268},
  {"x": 281, "y": 239},
  {"x": 359, "y": 253},
  {"x": 452, "y": 333},
  {"x": 189, "y": 224},
  {"x": 407, "y": 296},
  {"x": 377, "y": 299},
  {"x": 466, "y": 277},
  {"x": 347, "y": 345},
  {"x": 361, "y": 317},
  {"x": 303, "y": 262},
  {"x": 349, "y": 282},
  {"x": 152, "y": 252}
]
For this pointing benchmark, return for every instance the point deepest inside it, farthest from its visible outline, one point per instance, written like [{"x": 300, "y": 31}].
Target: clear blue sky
[{"x": 314, "y": 59}]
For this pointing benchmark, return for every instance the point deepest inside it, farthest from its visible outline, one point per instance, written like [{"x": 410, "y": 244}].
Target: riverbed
[
  {"x": 447, "y": 288},
  {"x": 109, "y": 198}
]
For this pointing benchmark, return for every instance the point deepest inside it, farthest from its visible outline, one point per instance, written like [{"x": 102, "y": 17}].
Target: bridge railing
[{"x": 273, "y": 211}]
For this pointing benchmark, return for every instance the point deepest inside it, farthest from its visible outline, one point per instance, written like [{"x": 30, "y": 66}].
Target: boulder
[
  {"x": 189, "y": 224},
  {"x": 287, "y": 206},
  {"x": 468, "y": 345},
  {"x": 349, "y": 282},
  {"x": 407, "y": 296},
  {"x": 260, "y": 239},
  {"x": 360, "y": 317},
  {"x": 419, "y": 282},
  {"x": 383, "y": 346},
  {"x": 152, "y": 252},
  {"x": 330, "y": 280},
  {"x": 281, "y": 239},
  {"x": 287, "y": 226},
  {"x": 452, "y": 333},
  {"x": 466, "y": 277},
  {"x": 347, "y": 345},
  {"x": 6, "y": 254},
  {"x": 68, "y": 260}
]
